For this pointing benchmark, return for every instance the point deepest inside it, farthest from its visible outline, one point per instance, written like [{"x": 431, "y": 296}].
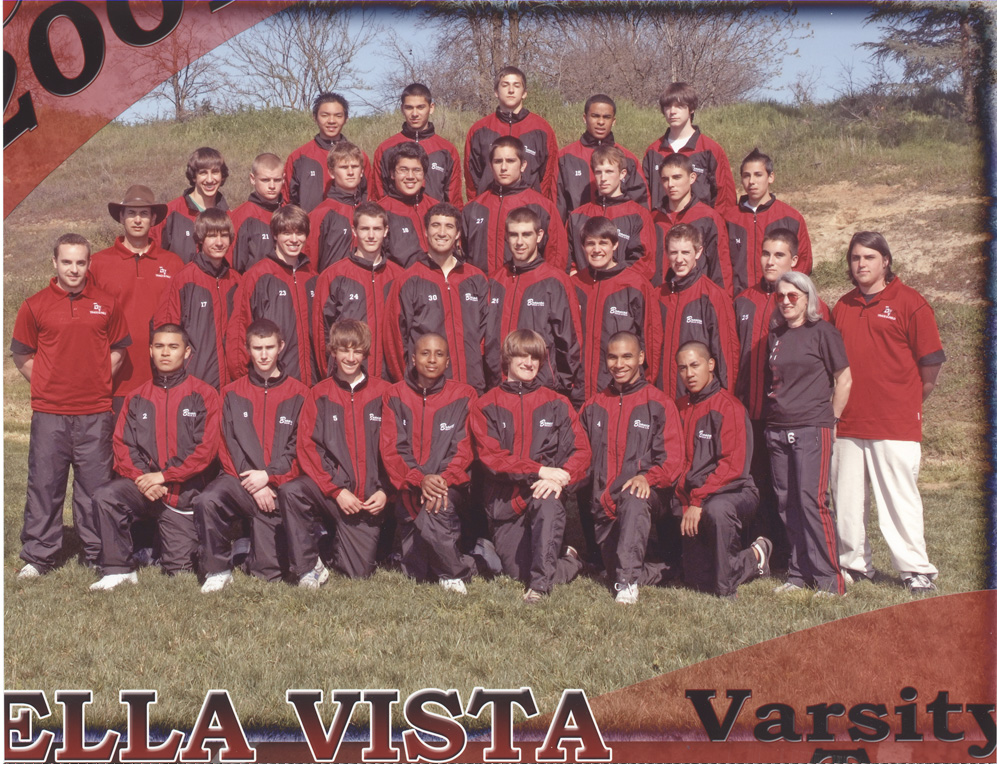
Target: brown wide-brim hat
[{"x": 138, "y": 196}]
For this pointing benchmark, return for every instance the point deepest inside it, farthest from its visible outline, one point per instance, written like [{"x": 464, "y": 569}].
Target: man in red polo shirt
[{"x": 70, "y": 325}]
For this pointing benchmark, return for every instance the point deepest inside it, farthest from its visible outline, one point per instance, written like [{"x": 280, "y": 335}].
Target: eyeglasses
[{"x": 793, "y": 297}]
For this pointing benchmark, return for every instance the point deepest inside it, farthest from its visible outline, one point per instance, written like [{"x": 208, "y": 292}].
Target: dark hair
[
  {"x": 507, "y": 70},
  {"x": 619, "y": 336},
  {"x": 170, "y": 329},
  {"x": 871, "y": 240},
  {"x": 700, "y": 347},
  {"x": 206, "y": 158},
  {"x": 681, "y": 94},
  {"x": 508, "y": 142},
  {"x": 600, "y": 98},
  {"x": 289, "y": 219},
  {"x": 322, "y": 98},
  {"x": 786, "y": 236},
  {"x": 685, "y": 232},
  {"x": 758, "y": 156},
  {"x": 212, "y": 220},
  {"x": 444, "y": 210},
  {"x": 417, "y": 89},
  {"x": 600, "y": 227},
  {"x": 70, "y": 239},
  {"x": 264, "y": 327},
  {"x": 523, "y": 215},
  {"x": 677, "y": 160},
  {"x": 371, "y": 210},
  {"x": 408, "y": 150}
]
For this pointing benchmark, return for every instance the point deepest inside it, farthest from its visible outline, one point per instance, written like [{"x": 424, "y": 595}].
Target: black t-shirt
[{"x": 800, "y": 375}]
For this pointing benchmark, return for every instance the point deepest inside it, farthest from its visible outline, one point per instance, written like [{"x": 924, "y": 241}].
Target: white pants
[{"x": 891, "y": 467}]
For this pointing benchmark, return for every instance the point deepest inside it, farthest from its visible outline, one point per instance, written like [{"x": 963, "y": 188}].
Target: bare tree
[
  {"x": 194, "y": 80},
  {"x": 304, "y": 49}
]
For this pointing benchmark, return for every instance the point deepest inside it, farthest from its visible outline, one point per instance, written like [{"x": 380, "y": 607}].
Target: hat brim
[{"x": 158, "y": 211}]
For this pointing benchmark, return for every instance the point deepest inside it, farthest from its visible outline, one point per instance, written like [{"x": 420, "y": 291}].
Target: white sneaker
[
  {"x": 114, "y": 579},
  {"x": 28, "y": 571},
  {"x": 216, "y": 582},
  {"x": 787, "y": 588},
  {"x": 315, "y": 577},
  {"x": 453, "y": 585},
  {"x": 626, "y": 594}
]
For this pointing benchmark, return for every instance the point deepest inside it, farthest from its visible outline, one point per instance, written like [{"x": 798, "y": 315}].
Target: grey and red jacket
[
  {"x": 353, "y": 288},
  {"x": 694, "y": 308},
  {"x": 716, "y": 246},
  {"x": 634, "y": 224},
  {"x": 484, "y": 226},
  {"x": 455, "y": 306},
  {"x": 201, "y": 299},
  {"x": 443, "y": 177},
  {"x": 338, "y": 443},
  {"x": 260, "y": 420},
  {"x": 425, "y": 431},
  {"x": 169, "y": 424},
  {"x": 330, "y": 236},
  {"x": 175, "y": 231},
  {"x": 306, "y": 173},
  {"x": 251, "y": 223},
  {"x": 714, "y": 180},
  {"x": 756, "y": 313},
  {"x": 576, "y": 181},
  {"x": 273, "y": 289},
  {"x": 518, "y": 428},
  {"x": 614, "y": 300},
  {"x": 633, "y": 430},
  {"x": 541, "y": 298},
  {"x": 746, "y": 230},
  {"x": 406, "y": 238},
  {"x": 718, "y": 445},
  {"x": 538, "y": 138}
]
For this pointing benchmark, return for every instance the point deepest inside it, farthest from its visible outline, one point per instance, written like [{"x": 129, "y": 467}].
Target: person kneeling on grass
[
  {"x": 338, "y": 450},
  {"x": 165, "y": 441},
  {"x": 257, "y": 452},
  {"x": 426, "y": 448},
  {"x": 716, "y": 495},
  {"x": 532, "y": 446}
]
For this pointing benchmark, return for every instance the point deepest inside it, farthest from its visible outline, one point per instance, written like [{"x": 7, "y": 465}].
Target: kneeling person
[
  {"x": 165, "y": 441},
  {"x": 259, "y": 438},
  {"x": 532, "y": 446}
]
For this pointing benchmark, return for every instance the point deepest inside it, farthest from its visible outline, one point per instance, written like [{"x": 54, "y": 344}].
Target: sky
[{"x": 835, "y": 31}]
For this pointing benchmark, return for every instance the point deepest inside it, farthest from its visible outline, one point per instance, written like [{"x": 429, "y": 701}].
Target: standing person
[
  {"x": 251, "y": 240},
  {"x": 895, "y": 352},
  {"x": 339, "y": 453},
  {"x": 427, "y": 452},
  {"x": 714, "y": 179},
  {"x": 807, "y": 387},
  {"x": 67, "y": 327},
  {"x": 406, "y": 203},
  {"x": 636, "y": 441},
  {"x": 443, "y": 175},
  {"x": 201, "y": 296},
  {"x": 576, "y": 182},
  {"x": 165, "y": 441},
  {"x": 306, "y": 172},
  {"x": 258, "y": 453},
  {"x": 511, "y": 118},
  {"x": 357, "y": 287},
  {"x": 137, "y": 273},
  {"x": 331, "y": 223},
  {"x": 716, "y": 495},
  {"x": 206, "y": 173},
  {"x": 530, "y": 442}
]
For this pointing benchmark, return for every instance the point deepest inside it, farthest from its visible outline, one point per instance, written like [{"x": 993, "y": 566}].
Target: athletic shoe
[
  {"x": 626, "y": 594},
  {"x": 763, "y": 547},
  {"x": 216, "y": 582},
  {"x": 570, "y": 551},
  {"x": 485, "y": 549},
  {"x": 919, "y": 583},
  {"x": 28, "y": 571},
  {"x": 315, "y": 577},
  {"x": 453, "y": 585},
  {"x": 825, "y": 593},
  {"x": 787, "y": 588},
  {"x": 532, "y": 597},
  {"x": 112, "y": 580}
]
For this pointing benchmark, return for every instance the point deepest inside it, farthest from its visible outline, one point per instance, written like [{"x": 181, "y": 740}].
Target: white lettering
[
  {"x": 285, "y": 420},
  {"x": 374, "y": 418},
  {"x": 641, "y": 425},
  {"x": 614, "y": 311},
  {"x": 691, "y": 320},
  {"x": 535, "y": 303},
  {"x": 545, "y": 423},
  {"x": 704, "y": 435},
  {"x": 468, "y": 297},
  {"x": 444, "y": 427},
  {"x": 188, "y": 412}
]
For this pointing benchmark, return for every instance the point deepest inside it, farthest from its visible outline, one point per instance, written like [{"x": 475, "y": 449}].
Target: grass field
[{"x": 258, "y": 640}]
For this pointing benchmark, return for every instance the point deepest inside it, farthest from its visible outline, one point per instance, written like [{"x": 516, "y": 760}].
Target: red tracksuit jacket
[
  {"x": 714, "y": 180},
  {"x": 716, "y": 246},
  {"x": 330, "y": 236},
  {"x": 306, "y": 173},
  {"x": 443, "y": 178},
  {"x": 251, "y": 223},
  {"x": 576, "y": 181},
  {"x": 538, "y": 138},
  {"x": 746, "y": 231},
  {"x": 634, "y": 225},
  {"x": 175, "y": 232}
]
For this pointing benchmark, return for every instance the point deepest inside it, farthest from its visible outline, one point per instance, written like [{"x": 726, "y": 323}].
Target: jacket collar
[
  {"x": 516, "y": 387},
  {"x": 511, "y": 118},
  {"x": 411, "y": 379},
  {"x": 681, "y": 284},
  {"x": 341, "y": 195},
  {"x": 589, "y": 142},
  {"x": 515, "y": 269},
  {"x": 711, "y": 389},
  {"x": 259, "y": 201},
  {"x": 630, "y": 387},
  {"x": 257, "y": 381},
  {"x": 207, "y": 265},
  {"x": 742, "y": 203},
  {"x": 343, "y": 385},
  {"x": 608, "y": 273},
  {"x": 326, "y": 143},
  {"x": 418, "y": 135},
  {"x": 516, "y": 188},
  {"x": 194, "y": 210},
  {"x": 170, "y": 380},
  {"x": 303, "y": 261}
]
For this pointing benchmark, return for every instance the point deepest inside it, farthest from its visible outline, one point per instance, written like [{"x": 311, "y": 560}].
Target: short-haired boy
[
  {"x": 306, "y": 174},
  {"x": 757, "y": 213},
  {"x": 339, "y": 451},
  {"x": 201, "y": 296},
  {"x": 206, "y": 172},
  {"x": 406, "y": 202},
  {"x": 714, "y": 179},
  {"x": 443, "y": 175},
  {"x": 634, "y": 223},
  {"x": 251, "y": 219},
  {"x": 484, "y": 217},
  {"x": 331, "y": 223},
  {"x": 357, "y": 287},
  {"x": 576, "y": 181},
  {"x": 260, "y": 414},
  {"x": 511, "y": 118}
]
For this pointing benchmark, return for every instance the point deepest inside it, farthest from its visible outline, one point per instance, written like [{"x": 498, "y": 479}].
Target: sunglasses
[{"x": 793, "y": 297}]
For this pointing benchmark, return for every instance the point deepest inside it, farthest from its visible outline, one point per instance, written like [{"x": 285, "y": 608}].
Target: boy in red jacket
[{"x": 251, "y": 241}]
